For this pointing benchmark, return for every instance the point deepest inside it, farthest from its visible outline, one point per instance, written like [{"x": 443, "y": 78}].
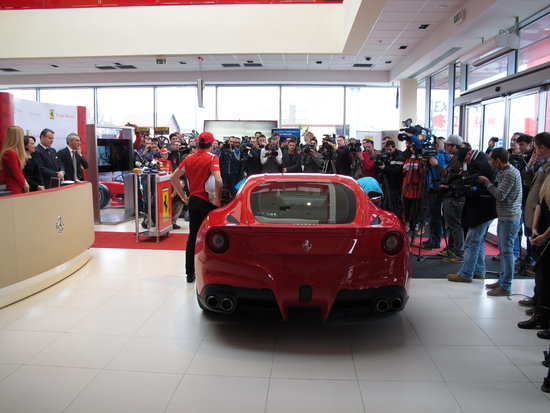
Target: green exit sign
[{"x": 161, "y": 61}]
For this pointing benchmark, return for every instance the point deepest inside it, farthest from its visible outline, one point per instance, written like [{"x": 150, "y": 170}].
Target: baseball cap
[
  {"x": 206, "y": 137},
  {"x": 164, "y": 150},
  {"x": 454, "y": 140}
]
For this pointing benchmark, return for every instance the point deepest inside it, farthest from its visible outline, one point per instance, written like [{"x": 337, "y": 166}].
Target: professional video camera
[
  {"x": 382, "y": 159},
  {"x": 464, "y": 184},
  {"x": 305, "y": 148},
  {"x": 246, "y": 145},
  {"x": 355, "y": 147},
  {"x": 420, "y": 137}
]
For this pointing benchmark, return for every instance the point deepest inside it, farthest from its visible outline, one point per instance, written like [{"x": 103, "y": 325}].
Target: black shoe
[
  {"x": 530, "y": 311},
  {"x": 526, "y": 302},
  {"x": 427, "y": 245},
  {"x": 176, "y": 226},
  {"x": 190, "y": 278},
  {"x": 534, "y": 322},
  {"x": 545, "y": 334}
]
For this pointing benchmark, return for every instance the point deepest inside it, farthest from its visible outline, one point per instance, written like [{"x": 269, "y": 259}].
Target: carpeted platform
[
  {"x": 490, "y": 249},
  {"x": 127, "y": 240}
]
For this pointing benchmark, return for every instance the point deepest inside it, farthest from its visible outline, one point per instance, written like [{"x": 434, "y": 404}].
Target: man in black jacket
[
  {"x": 291, "y": 157},
  {"x": 477, "y": 215},
  {"x": 72, "y": 159},
  {"x": 391, "y": 169},
  {"x": 47, "y": 159}
]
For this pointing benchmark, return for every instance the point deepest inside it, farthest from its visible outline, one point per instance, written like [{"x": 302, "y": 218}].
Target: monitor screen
[{"x": 114, "y": 155}]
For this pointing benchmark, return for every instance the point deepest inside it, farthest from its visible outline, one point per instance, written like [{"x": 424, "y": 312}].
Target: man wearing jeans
[
  {"x": 507, "y": 190},
  {"x": 479, "y": 212}
]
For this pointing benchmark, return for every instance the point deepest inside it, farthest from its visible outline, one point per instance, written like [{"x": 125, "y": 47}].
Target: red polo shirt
[{"x": 197, "y": 168}]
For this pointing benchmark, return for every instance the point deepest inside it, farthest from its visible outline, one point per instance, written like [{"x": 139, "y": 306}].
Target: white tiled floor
[{"x": 125, "y": 334}]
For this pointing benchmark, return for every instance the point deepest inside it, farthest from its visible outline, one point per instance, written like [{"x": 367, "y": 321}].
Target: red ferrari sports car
[{"x": 302, "y": 240}]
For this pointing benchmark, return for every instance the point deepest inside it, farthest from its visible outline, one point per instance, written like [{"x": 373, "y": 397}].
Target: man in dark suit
[
  {"x": 48, "y": 161},
  {"x": 72, "y": 159}
]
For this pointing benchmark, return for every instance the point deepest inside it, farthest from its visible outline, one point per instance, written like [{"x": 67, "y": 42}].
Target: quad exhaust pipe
[{"x": 226, "y": 304}]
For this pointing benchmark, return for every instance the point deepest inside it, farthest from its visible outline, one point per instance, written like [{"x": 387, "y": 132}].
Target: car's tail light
[
  {"x": 392, "y": 242},
  {"x": 218, "y": 241}
]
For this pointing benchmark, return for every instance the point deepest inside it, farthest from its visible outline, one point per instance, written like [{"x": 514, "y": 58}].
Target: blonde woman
[{"x": 12, "y": 161}]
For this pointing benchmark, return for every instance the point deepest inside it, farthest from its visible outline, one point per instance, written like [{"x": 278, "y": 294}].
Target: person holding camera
[
  {"x": 310, "y": 159},
  {"x": 507, "y": 191},
  {"x": 230, "y": 164},
  {"x": 271, "y": 156},
  {"x": 343, "y": 157},
  {"x": 251, "y": 156},
  {"x": 477, "y": 215},
  {"x": 328, "y": 154},
  {"x": 453, "y": 201},
  {"x": 390, "y": 166},
  {"x": 291, "y": 157}
]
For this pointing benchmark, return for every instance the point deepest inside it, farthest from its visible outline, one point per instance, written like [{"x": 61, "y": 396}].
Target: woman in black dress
[{"x": 32, "y": 170}]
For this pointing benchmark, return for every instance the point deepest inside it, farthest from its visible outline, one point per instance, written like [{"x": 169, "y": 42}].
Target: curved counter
[{"x": 46, "y": 236}]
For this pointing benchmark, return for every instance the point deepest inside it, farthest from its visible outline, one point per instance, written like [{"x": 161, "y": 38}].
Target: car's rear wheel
[{"x": 104, "y": 195}]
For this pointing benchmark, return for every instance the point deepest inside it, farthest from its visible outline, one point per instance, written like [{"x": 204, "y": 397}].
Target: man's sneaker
[
  {"x": 479, "y": 277},
  {"x": 443, "y": 253},
  {"x": 452, "y": 258},
  {"x": 492, "y": 286},
  {"x": 498, "y": 292},
  {"x": 457, "y": 278}
]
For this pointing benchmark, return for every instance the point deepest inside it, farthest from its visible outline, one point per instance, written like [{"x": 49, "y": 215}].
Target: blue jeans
[
  {"x": 474, "y": 252},
  {"x": 507, "y": 232}
]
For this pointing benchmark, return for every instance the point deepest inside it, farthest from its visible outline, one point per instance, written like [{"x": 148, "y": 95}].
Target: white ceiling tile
[{"x": 404, "y": 5}]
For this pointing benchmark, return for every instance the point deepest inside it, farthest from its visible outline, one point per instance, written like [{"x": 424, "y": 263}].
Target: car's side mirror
[{"x": 376, "y": 197}]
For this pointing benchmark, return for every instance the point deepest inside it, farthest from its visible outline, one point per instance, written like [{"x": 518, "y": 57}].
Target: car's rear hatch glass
[{"x": 303, "y": 203}]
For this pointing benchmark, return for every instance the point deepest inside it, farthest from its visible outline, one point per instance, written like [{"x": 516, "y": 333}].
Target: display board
[{"x": 223, "y": 129}]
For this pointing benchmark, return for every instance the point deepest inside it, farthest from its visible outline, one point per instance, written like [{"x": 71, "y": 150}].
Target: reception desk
[{"x": 46, "y": 236}]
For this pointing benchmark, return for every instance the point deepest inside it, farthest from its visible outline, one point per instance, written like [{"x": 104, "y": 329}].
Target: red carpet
[
  {"x": 127, "y": 240},
  {"x": 490, "y": 249}
]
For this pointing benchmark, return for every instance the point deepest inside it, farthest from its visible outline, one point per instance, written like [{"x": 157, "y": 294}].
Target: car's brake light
[
  {"x": 392, "y": 242},
  {"x": 218, "y": 241}
]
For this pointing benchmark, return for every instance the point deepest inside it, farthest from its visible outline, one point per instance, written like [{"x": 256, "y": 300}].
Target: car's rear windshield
[{"x": 303, "y": 203}]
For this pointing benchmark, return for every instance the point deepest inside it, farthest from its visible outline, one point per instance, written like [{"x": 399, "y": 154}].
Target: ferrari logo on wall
[
  {"x": 52, "y": 114},
  {"x": 165, "y": 203}
]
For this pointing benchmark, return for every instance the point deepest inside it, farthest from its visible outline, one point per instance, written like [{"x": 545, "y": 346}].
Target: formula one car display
[{"x": 302, "y": 240}]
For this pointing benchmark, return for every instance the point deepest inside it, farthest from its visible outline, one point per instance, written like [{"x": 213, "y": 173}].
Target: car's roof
[{"x": 298, "y": 177}]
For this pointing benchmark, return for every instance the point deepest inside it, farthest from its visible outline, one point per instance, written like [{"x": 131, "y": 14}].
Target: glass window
[
  {"x": 457, "y": 80},
  {"x": 248, "y": 103},
  {"x": 321, "y": 108},
  {"x": 439, "y": 103},
  {"x": 181, "y": 102},
  {"x": 303, "y": 203},
  {"x": 370, "y": 109},
  {"x": 547, "y": 122},
  {"x": 473, "y": 126},
  {"x": 534, "y": 44},
  {"x": 493, "y": 124},
  {"x": 421, "y": 102},
  {"x": 119, "y": 105},
  {"x": 489, "y": 72},
  {"x": 73, "y": 97},
  {"x": 28, "y": 94},
  {"x": 523, "y": 114}
]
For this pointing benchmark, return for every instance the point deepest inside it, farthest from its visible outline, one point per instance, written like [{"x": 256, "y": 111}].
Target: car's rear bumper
[{"x": 227, "y": 299}]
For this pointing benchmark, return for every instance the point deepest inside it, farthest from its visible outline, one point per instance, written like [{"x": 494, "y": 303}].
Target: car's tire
[{"x": 104, "y": 196}]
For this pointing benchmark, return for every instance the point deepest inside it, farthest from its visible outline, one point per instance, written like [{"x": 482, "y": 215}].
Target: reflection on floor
[{"x": 125, "y": 334}]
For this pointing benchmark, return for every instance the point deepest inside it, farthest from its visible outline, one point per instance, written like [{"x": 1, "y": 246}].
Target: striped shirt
[{"x": 507, "y": 191}]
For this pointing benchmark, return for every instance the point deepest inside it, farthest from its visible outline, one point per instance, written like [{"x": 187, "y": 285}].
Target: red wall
[{"x": 6, "y": 114}]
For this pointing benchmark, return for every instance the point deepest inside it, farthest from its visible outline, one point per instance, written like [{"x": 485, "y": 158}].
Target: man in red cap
[{"x": 198, "y": 167}]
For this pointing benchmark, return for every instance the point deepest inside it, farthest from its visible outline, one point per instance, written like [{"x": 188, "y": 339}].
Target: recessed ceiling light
[
  {"x": 183, "y": 63},
  {"x": 54, "y": 66},
  {"x": 250, "y": 61},
  {"x": 442, "y": 6},
  {"x": 387, "y": 62},
  {"x": 319, "y": 62},
  {"x": 118, "y": 64},
  {"x": 423, "y": 26},
  {"x": 403, "y": 47},
  {"x": 368, "y": 59}
]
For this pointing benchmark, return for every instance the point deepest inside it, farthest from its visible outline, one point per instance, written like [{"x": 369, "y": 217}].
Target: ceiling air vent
[
  {"x": 8, "y": 69},
  {"x": 362, "y": 65},
  {"x": 252, "y": 65},
  {"x": 231, "y": 65},
  {"x": 105, "y": 67},
  {"x": 126, "y": 67}
]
